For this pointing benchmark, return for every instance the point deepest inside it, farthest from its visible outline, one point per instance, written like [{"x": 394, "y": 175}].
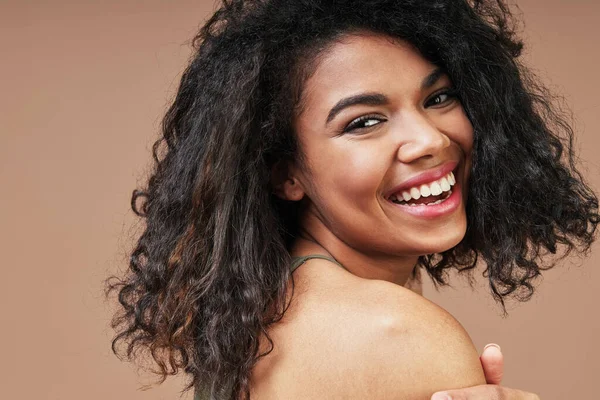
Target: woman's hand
[{"x": 492, "y": 362}]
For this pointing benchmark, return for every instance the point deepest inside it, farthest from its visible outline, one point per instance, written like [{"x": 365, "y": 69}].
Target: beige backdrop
[{"x": 84, "y": 85}]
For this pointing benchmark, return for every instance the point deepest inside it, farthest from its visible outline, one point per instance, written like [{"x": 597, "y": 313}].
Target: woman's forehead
[{"x": 362, "y": 63}]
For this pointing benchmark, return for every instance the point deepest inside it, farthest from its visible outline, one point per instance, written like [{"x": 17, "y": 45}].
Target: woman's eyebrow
[
  {"x": 432, "y": 78},
  {"x": 371, "y": 99},
  {"x": 377, "y": 99}
]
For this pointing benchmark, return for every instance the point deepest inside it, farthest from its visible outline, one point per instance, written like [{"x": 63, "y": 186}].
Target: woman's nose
[{"x": 419, "y": 137}]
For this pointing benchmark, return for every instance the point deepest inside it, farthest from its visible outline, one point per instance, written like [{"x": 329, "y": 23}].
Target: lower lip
[{"x": 446, "y": 207}]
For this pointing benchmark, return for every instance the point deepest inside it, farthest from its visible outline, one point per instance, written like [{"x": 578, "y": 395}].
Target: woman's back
[{"x": 353, "y": 338}]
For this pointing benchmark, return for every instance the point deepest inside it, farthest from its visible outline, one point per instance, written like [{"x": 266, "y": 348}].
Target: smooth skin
[
  {"x": 358, "y": 332},
  {"x": 492, "y": 361}
]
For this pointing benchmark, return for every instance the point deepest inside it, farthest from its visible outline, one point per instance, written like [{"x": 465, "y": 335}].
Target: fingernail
[
  {"x": 441, "y": 396},
  {"x": 492, "y": 345}
]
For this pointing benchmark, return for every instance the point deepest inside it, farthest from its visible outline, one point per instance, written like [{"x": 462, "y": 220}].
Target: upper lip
[{"x": 424, "y": 177}]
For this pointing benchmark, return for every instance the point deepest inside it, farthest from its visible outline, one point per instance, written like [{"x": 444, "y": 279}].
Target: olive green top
[{"x": 296, "y": 262}]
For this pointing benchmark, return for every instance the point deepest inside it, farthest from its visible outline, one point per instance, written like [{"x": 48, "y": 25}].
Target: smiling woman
[
  {"x": 383, "y": 126},
  {"x": 317, "y": 156}
]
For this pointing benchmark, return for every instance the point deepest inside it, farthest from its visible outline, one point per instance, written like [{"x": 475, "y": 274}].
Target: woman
[{"x": 317, "y": 155}]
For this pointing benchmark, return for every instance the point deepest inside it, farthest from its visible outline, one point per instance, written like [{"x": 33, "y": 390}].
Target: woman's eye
[
  {"x": 362, "y": 123},
  {"x": 441, "y": 98}
]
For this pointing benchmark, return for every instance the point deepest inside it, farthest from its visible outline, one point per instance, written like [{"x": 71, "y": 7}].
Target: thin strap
[{"x": 298, "y": 261}]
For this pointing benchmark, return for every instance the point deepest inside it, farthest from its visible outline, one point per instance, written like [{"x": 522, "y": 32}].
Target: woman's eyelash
[
  {"x": 451, "y": 93},
  {"x": 355, "y": 124}
]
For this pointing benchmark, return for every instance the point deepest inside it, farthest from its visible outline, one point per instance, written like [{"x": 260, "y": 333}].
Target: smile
[
  {"x": 431, "y": 193},
  {"x": 438, "y": 198}
]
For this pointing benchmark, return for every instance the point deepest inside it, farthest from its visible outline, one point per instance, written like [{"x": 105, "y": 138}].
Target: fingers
[
  {"x": 485, "y": 392},
  {"x": 492, "y": 362}
]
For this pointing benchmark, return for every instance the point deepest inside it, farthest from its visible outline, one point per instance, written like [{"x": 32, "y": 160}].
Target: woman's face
[{"x": 380, "y": 124}]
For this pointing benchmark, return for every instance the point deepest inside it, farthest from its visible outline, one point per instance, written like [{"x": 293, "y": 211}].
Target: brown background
[{"x": 83, "y": 88}]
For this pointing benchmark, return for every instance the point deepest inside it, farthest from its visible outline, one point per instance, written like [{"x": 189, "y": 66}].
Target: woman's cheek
[{"x": 360, "y": 172}]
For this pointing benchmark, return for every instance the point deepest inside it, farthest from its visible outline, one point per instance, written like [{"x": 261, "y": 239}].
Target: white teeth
[
  {"x": 436, "y": 189},
  {"x": 415, "y": 193},
  {"x": 444, "y": 184},
  {"x": 451, "y": 179}
]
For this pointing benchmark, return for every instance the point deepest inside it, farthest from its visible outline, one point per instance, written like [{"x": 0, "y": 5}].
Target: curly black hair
[{"x": 210, "y": 271}]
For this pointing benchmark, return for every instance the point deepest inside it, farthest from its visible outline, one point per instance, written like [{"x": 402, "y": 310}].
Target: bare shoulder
[
  {"x": 351, "y": 338},
  {"x": 421, "y": 348}
]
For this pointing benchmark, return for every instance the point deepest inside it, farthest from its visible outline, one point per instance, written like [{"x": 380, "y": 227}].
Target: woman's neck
[{"x": 315, "y": 238}]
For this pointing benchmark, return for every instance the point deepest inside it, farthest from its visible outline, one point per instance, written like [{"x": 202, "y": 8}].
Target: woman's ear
[{"x": 285, "y": 182}]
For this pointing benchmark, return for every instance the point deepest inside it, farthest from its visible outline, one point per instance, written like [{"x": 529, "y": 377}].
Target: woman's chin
[{"x": 439, "y": 243}]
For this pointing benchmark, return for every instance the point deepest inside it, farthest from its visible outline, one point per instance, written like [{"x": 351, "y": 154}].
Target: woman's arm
[
  {"x": 492, "y": 361},
  {"x": 379, "y": 341},
  {"x": 422, "y": 350}
]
